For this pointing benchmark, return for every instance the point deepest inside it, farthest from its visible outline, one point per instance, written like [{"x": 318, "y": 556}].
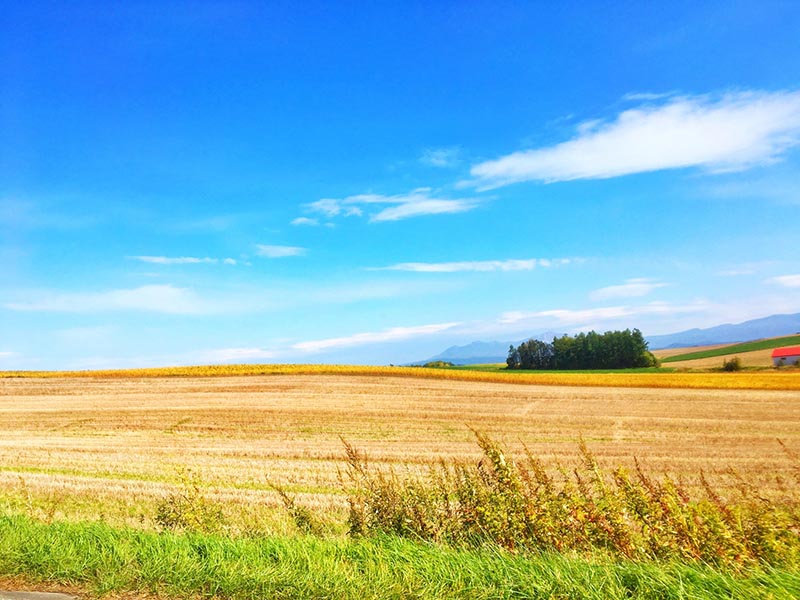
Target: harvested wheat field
[{"x": 111, "y": 448}]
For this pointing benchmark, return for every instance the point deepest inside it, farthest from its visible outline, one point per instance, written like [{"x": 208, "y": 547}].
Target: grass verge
[{"x": 100, "y": 560}]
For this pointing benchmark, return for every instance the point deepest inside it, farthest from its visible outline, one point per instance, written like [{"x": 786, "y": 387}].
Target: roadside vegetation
[
  {"x": 519, "y": 505},
  {"x": 498, "y": 528},
  {"x": 100, "y": 560}
]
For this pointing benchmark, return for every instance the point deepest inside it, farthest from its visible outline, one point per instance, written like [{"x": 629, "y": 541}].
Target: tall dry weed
[{"x": 520, "y": 506}]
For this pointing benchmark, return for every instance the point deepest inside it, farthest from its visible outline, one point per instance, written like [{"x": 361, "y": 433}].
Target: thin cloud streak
[
  {"x": 166, "y": 299},
  {"x": 387, "y": 335},
  {"x": 632, "y": 288},
  {"x": 279, "y": 251},
  {"x": 416, "y": 203},
  {"x": 478, "y": 266},
  {"x": 733, "y": 132},
  {"x": 183, "y": 260},
  {"x": 575, "y": 317},
  {"x": 305, "y": 221}
]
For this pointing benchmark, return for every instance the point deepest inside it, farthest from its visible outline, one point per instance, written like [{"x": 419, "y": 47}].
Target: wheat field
[{"x": 98, "y": 447}]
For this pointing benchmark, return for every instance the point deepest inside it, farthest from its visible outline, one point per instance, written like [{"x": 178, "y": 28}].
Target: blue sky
[{"x": 372, "y": 182}]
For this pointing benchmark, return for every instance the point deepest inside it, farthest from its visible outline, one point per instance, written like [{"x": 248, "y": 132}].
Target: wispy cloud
[
  {"x": 479, "y": 265},
  {"x": 183, "y": 260},
  {"x": 416, "y": 203},
  {"x": 279, "y": 251},
  {"x": 150, "y": 298},
  {"x": 573, "y": 317},
  {"x": 789, "y": 281},
  {"x": 7, "y": 354},
  {"x": 640, "y": 96},
  {"x": 632, "y": 288},
  {"x": 387, "y": 335},
  {"x": 728, "y": 133},
  {"x": 441, "y": 157},
  {"x": 307, "y": 221}
]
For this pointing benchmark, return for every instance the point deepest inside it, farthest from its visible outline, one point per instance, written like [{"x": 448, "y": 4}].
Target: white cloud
[
  {"x": 416, "y": 203},
  {"x": 789, "y": 281},
  {"x": 7, "y": 354},
  {"x": 182, "y": 260},
  {"x": 639, "y": 96},
  {"x": 441, "y": 157},
  {"x": 574, "y": 317},
  {"x": 479, "y": 265},
  {"x": 279, "y": 251},
  {"x": 732, "y": 132},
  {"x": 327, "y": 206},
  {"x": 151, "y": 298},
  {"x": 422, "y": 207},
  {"x": 632, "y": 288},
  {"x": 387, "y": 335},
  {"x": 305, "y": 221}
]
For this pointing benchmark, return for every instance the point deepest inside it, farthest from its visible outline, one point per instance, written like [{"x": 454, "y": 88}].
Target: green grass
[
  {"x": 737, "y": 348},
  {"x": 98, "y": 559}
]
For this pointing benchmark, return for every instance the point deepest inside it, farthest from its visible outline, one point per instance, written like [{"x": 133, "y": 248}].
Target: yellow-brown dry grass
[
  {"x": 767, "y": 380},
  {"x": 112, "y": 447}
]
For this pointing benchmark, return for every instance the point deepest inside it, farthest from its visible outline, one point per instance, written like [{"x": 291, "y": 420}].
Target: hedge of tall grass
[{"x": 519, "y": 506}]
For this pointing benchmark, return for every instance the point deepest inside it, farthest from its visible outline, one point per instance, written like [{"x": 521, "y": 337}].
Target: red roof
[{"x": 787, "y": 351}]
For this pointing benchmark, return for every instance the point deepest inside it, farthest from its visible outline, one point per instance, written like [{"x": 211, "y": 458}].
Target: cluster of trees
[{"x": 611, "y": 350}]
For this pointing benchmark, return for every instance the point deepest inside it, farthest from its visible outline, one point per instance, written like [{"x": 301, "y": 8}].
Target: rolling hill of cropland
[
  {"x": 755, "y": 358},
  {"x": 763, "y": 348}
]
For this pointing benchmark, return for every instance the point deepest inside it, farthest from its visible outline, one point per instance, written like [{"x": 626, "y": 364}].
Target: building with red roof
[{"x": 788, "y": 355}]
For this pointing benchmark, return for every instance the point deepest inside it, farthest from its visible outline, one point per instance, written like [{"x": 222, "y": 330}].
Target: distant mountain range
[
  {"x": 767, "y": 327},
  {"x": 773, "y": 326},
  {"x": 478, "y": 353}
]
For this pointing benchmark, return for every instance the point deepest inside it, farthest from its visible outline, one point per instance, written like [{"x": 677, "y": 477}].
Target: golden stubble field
[{"x": 112, "y": 447}]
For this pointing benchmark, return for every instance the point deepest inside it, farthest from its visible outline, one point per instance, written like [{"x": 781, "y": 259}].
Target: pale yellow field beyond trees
[{"x": 112, "y": 447}]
